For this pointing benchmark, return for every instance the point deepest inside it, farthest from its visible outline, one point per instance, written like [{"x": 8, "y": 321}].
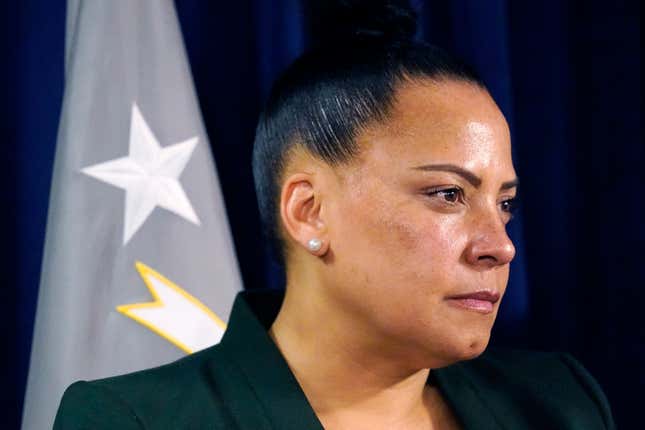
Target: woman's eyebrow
[{"x": 466, "y": 174}]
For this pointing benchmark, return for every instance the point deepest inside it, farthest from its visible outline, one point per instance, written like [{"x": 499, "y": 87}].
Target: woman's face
[{"x": 421, "y": 216}]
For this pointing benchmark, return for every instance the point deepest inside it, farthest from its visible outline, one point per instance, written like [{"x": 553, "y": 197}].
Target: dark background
[{"x": 566, "y": 74}]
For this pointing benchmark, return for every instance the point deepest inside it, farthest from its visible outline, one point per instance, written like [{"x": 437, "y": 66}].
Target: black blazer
[{"x": 245, "y": 383}]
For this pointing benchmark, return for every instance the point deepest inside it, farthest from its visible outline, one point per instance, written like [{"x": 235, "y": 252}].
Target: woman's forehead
[
  {"x": 449, "y": 122},
  {"x": 445, "y": 106}
]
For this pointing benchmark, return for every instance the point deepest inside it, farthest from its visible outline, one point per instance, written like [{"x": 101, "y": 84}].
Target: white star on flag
[{"x": 149, "y": 175}]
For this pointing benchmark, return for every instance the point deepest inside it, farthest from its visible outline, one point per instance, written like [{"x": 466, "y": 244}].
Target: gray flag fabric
[{"x": 139, "y": 267}]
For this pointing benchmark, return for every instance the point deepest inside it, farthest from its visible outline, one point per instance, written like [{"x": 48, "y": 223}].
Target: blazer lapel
[
  {"x": 465, "y": 400},
  {"x": 255, "y": 373}
]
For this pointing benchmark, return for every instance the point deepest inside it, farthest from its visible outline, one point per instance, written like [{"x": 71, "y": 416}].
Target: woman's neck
[{"x": 347, "y": 378}]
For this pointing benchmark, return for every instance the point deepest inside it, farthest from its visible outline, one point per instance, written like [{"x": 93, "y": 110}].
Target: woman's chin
[
  {"x": 474, "y": 350},
  {"x": 466, "y": 348}
]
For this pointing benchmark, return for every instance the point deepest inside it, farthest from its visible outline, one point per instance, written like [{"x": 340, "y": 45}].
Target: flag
[{"x": 139, "y": 267}]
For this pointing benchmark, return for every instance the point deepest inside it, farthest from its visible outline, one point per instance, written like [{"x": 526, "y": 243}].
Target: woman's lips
[{"x": 479, "y": 301}]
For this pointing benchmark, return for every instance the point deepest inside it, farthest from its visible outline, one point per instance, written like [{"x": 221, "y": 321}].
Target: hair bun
[{"x": 340, "y": 21}]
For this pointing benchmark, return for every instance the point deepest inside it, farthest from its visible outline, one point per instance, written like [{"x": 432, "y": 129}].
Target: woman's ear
[{"x": 300, "y": 210}]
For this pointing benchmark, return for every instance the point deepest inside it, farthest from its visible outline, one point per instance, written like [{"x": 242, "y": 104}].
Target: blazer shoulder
[
  {"x": 550, "y": 381},
  {"x": 86, "y": 405},
  {"x": 177, "y": 394},
  {"x": 592, "y": 387},
  {"x": 183, "y": 372}
]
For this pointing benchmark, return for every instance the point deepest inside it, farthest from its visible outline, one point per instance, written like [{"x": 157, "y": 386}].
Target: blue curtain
[{"x": 566, "y": 75}]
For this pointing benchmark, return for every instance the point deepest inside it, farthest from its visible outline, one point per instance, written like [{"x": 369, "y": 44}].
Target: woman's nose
[{"x": 490, "y": 245}]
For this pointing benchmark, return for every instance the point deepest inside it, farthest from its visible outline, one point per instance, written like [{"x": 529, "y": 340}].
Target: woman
[{"x": 385, "y": 180}]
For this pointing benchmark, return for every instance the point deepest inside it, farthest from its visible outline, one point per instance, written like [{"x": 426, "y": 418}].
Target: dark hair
[{"x": 335, "y": 90}]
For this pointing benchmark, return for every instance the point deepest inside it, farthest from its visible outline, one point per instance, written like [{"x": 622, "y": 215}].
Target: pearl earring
[{"x": 314, "y": 244}]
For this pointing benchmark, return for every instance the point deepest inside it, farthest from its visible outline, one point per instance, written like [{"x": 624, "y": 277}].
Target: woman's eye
[
  {"x": 510, "y": 206},
  {"x": 454, "y": 195},
  {"x": 450, "y": 195}
]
